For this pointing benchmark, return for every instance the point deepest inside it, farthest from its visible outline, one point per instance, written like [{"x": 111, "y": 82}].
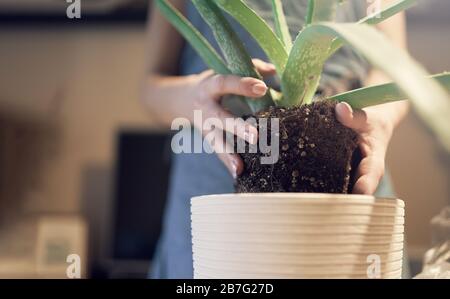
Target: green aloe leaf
[
  {"x": 321, "y": 11},
  {"x": 301, "y": 77},
  {"x": 239, "y": 61},
  {"x": 259, "y": 29},
  {"x": 380, "y": 94},
  {"x": 281, "y": 26},
  {"x": 379, "y": 17},
  {"x": 194, "y": 37}
]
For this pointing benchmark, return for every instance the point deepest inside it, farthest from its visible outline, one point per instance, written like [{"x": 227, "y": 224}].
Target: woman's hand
[
  {"x": 207, "y": 91},
  {"x": 171, "y": 97},
  {"x": 374, "y": 126}
]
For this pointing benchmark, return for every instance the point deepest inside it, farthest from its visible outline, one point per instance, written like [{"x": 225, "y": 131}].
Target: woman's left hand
[{"x": 374, "y": 129}]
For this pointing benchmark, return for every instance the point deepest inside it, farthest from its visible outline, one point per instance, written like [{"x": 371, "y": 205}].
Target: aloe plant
[{"x": 300, "y": 63}]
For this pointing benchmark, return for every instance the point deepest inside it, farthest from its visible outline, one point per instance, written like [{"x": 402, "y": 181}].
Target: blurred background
[{"x": 83, "y": 168}]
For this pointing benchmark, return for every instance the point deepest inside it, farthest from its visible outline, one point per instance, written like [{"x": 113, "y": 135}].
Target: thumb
[{"x": 353, "y": 119}]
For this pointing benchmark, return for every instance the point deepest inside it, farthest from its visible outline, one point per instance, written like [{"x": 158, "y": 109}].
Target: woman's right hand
[{"x": 207, "y": 89}]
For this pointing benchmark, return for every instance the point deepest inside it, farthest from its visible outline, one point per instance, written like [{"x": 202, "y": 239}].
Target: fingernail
[
  {"x": 343, "y": 108},
  {"x": 250, "y": 137},
  {"x": 233, "y": 169},
  {"x": 339, "y": 108},
  {"x": 348, "y": 107},
  {"x": 259, "y": 89}
]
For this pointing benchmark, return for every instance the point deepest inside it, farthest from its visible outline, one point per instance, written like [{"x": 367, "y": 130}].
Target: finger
[
  {"x": 353, "y": 119},
  {"x": 221, "y": 85},
  {"x": 264, "y": 68},
  {"x": 217, "y": 117},
  {"x": 369, "y": 174},
  {"x": 233, "y": 163},
  {"x": 224, "y": 151}
]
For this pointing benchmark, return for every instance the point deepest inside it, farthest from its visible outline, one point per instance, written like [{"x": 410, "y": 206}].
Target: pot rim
[{"x": 294, "y": 196}]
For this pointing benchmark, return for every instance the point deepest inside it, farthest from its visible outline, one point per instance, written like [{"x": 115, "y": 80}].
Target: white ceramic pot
[{"x": 297, "y": 235}]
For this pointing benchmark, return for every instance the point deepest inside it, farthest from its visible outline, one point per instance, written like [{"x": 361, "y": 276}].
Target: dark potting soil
[{"x": 315, "y": 153}]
